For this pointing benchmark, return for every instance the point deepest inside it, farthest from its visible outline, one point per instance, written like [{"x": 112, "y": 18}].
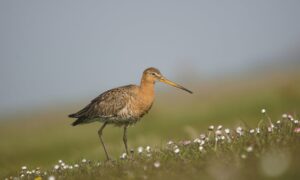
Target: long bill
[{"x": 164, "y": 80}]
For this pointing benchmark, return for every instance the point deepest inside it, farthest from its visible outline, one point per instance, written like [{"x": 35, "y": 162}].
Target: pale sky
[{"x": 59, "y": 51}]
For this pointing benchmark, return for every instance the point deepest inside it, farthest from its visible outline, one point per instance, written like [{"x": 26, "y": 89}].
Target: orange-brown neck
[{"x": 147, "y": 86}]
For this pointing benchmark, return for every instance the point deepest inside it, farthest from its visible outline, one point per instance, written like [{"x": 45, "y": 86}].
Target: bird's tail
[{"x": 78, "y": 121}]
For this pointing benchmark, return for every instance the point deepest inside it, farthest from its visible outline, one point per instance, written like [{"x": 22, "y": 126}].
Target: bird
[{"x": 123, "y": 106}]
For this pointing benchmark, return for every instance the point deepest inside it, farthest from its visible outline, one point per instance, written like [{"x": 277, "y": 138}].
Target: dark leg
[
  {"x": 125, "y": 138},
  {"x": 100, "y": 136}
]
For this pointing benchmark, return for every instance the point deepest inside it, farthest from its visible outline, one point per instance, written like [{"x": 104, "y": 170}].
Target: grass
[
  {"x": 41, "y": 137},
  {"x": 269, "y": 150}
]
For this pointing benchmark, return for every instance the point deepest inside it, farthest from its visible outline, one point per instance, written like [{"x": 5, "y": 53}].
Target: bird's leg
[
  {"x": 100, "y": 136},
  {"x": 125, "y": 138}
]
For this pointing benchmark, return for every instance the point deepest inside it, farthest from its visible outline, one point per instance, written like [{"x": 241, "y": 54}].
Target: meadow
[{"x": 175, "y": 140}]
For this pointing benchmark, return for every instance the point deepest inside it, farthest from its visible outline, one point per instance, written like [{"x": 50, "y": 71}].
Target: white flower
[
  {"x": 51, "y": 178},
  {"x": 257, "y": 130},
  {"x": 219, "y": 127},
  {"x": 123, "y": 156},
  {"x": 157, "y": 164},
  {"x": 22, "y": 176},
  {"x": 249, "y": 149},
  {"x": 239, "y": 130},
  {"x": 218, "y": 132},
  {"x": 177, "y": 150},
  {"x": 243, "y": 156},
  {"x": 284, "y": 116},
  {"x": 227, "y": 131},
  {"x": 28, "y": 172},
  {"x": 56, "y": 166},
  {"x": 83, "y": 160},
  {"x": 197, "y": 140},
  {"x": 60, "y": 161},
  {"x": 222, "y": 137},
  {"x": 278, "y": 122},
  {"x": 70, "y": 167},
  {"x": 252, "y": 131},
  {"x": 270, "y": 129},
  {"x": 290, "y": 117},
  {"x": 148, "y": 148},
  {"x": 263, "y": 111},
  {"x": 24, "y": 168},
  {"x": 296, "y": 121},
  {"x": 170, "y": 142},
  {"x": 211, "y": 128},
  {"x": 76, "y": 165},
  {"x": 201, "y": 148},
  {"x": 202, "y": 142},
  {"x": 140, "y": 149},
  {"x": 202, "y": 136}
]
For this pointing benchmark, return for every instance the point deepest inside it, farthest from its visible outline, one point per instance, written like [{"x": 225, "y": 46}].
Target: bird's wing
[{"x": 107, "y": 104}]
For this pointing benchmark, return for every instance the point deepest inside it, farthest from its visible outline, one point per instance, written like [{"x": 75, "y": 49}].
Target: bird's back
[{"x": 118, "y": 106}]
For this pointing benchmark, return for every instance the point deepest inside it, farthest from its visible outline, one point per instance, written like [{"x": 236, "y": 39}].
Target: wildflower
[
  {"x": 243, "y": 156},
  {"x": 278, "y": 122},
  {"x": 56, "y": 166},
  {"x": 239, "y": 130},
  {"x": 290, "y": 117},
  {"x": 201, "y": 148},
  {"x": 148, "y": 148},
  {"x": 296, "y": 122},
  {"x": 249, "y": 149},
  {"x": 202, "y": 143},
  {"x": 211, "y": 128},
  {"x": 76, "y": 165},
  {"x": 157, "y": 164},
  {"x": 263, "y": 111},
  {"x": 65, "y": 166},
  {"x": 170, "y": 142},
  {"x": 223, "y": 137},
  {"x": 284, "y": 116},
  {"x": 22, "y": 176},
  {"x": 62, "y": 164},
  {"x": 83, "y": 160},
  {"x": 220, "y": 127},
  {"x": 270, "y": 129},
  {"x": 28, "y": 172},
  {"x": 123, "y": 156},
  {"x": 71, "y": 167},
  {"x": 297, "y": 130},
  {"x": 24, "y": 168},
  {"x": 60, "y": 161},
  {"x": 218, "y": 132},
  {"x": 51, "y": 178},
  {"x": 175, "y": 147},
  {"x": 197, "y": 140},
  {"x": 257, "y": 130},
  {"x": 252, "y": 131},
  {"x": 202, "y": 136},
  {"x": 227, "y": 131},
  {"x": 140, "y": 149},
  {"x": 177, "y": 150}
]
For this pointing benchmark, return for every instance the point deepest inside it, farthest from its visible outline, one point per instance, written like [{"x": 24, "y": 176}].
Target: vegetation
[{"x": 42, "y": 137}]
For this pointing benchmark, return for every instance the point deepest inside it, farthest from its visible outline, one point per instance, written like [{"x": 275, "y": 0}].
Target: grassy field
[{"x": 42, "y": 137}]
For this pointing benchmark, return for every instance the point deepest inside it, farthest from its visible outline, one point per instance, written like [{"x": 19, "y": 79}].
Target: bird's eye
[{"x": 153, "y": 74}]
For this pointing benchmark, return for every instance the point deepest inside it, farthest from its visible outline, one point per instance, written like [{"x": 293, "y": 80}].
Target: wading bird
[{"x": 124, "y": 105}]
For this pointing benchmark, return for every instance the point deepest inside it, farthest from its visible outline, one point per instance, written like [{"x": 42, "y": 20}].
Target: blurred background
[{"x": 55, "y": 56}]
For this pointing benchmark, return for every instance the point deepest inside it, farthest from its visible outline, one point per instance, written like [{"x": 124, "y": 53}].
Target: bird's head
[{"x": 152, "y": 75}]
